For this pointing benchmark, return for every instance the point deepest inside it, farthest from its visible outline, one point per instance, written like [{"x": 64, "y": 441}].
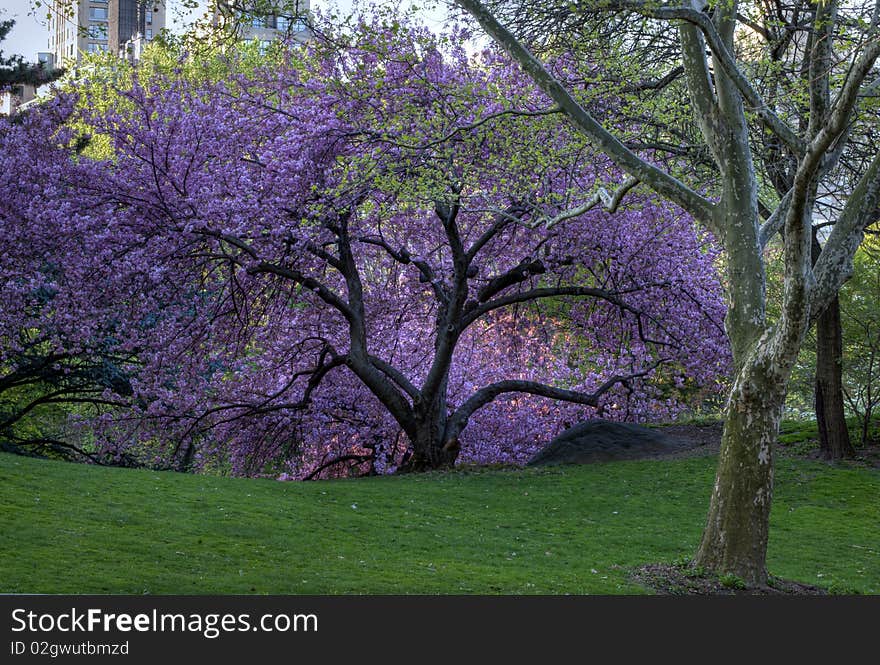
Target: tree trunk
[
  {"x": 430, "y": 447},
  {"x": 735, "y": 538},
  {"x": 833, "y": 435},
  {"x": 834, "y": 440},
  {"x": 430, "y": 451}
]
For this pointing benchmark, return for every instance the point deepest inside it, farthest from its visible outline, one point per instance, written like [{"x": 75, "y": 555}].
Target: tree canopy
[{"x": 378, "y": 251}]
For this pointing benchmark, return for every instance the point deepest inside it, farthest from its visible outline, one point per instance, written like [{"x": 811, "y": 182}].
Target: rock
[{"x": 602, "y": 441}]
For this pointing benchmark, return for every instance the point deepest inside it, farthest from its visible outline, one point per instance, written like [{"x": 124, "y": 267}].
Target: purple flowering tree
[
  {"x": 385, "y": 253},
  {"x": 82, "y": 305},
  {"x": 391, "y": 219}
]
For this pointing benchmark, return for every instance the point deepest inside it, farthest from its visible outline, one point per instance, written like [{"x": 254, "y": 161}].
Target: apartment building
[
  {"x": 16, "y": 96},
  {"x": 288, "y": 21},
  {"x": 89, "y": 26}
]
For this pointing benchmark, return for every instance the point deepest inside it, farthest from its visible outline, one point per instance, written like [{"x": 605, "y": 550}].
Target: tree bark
[
  {"x": 430, "y": 451},
  {"x": 431, "y": 447},
  {"x": 735, "y": 538},
  {"x": 834, "y": 441}
]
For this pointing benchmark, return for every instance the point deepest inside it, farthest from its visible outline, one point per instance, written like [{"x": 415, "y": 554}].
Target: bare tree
[{"x": 729, "y": 108}]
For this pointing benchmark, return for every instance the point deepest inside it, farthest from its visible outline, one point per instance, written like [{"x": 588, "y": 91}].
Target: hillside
[{"x": 82, "y": 529}]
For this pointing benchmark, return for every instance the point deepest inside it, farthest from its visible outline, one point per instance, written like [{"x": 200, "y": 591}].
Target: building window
[
  {"x": 149, "y": 34},
  {"x": 258, "y": 21},
  {"x": 98, "y": 31},
  {"x": 96, "y": 48},
  {"x": 299, "y": 25},
  {"x": 149, "y": 17},
  {"x": 99, "y": 13}
]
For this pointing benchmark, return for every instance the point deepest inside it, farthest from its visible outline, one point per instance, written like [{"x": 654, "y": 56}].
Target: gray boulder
[{"x": 602, "y": 441}]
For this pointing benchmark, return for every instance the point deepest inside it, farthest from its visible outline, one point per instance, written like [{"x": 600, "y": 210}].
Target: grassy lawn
[{"x": 69, "y": 528}]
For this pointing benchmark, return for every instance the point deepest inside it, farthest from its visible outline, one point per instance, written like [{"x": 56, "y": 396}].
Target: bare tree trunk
[
  {"x": 834, "y": 440},
  {"x": 735, "y": 537},
  {"x": 833, "y": 434}
]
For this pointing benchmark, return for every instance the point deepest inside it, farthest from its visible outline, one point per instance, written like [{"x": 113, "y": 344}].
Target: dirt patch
[
  {"x": 684, "y": 580},
  {"x": 868, "y": 455},
  {"x": 700, "y": 440}
]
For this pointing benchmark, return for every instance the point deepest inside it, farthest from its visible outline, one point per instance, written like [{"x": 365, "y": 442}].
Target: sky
[{"x": 30, "y": 34}]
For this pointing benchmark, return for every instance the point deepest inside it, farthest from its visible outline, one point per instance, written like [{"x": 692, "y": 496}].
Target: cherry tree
[
  {"x": 395, "y": 244},
  {"x": 82, "y": 306}
]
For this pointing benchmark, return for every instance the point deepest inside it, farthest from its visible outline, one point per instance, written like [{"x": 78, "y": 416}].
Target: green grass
[
  {"x": 802, "y": 436},
  {"x": 69, "y": 528}
]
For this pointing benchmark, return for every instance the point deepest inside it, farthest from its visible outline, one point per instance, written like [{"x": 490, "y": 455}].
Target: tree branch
[
  {"x": 610, "y": 203},
  {"x": 484, "y": 396},
  {"x": 772, "y": 224},
  {"x": 663, "y": 183},
  {"x": 395, "y": 375},
  {"x": 59, "y": 445},
  {"x": 728, "y": 63},
  {"x": 464, "y": 128},
  {"x": 310, "y": 283},
  {"x": 656, "y": 84},
  {"x": 517, "y": 275},
  {"x": 577, "y": 291},
  {"x": 511, "y": 215},
  {"x": 338, "y": 460},
  {"x": 426, "y": 273},
  {"x": 835, "y": 263}
]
